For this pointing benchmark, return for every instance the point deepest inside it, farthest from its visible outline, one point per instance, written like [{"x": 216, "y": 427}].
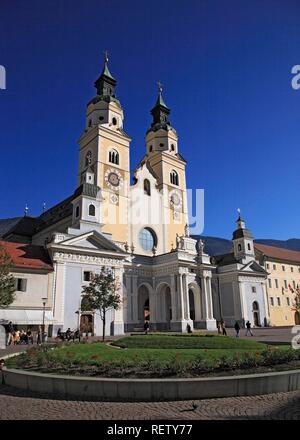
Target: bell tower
[
  {"x": 168, "y": 166},
  {"x": 104, "y": 146},
  {"x": 242, "y": 238}
]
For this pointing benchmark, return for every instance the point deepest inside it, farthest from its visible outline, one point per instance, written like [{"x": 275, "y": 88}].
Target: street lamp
[{"x": 43, "y": 325}]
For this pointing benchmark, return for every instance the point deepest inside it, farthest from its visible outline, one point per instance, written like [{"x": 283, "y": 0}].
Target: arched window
[
  {"x": 114, "y": 121},
  {"x": 147, "y": 187},
  {"x": 88, "y": 158},
  {"x": 113, "y": 157},
  {"x": 249, "y": 247},
  {"x": 77, "y": 212},
  {"x": 92, "y": 211},
  {"x": 174, "y": 179},
  {"x": 239, "y": 247}
]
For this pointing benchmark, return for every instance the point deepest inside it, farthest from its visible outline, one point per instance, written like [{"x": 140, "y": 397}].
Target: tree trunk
[{"x": 103, "y": 328}]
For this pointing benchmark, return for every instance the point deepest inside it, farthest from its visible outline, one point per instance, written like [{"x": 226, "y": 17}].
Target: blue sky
[{"x": 226, "y": 70}]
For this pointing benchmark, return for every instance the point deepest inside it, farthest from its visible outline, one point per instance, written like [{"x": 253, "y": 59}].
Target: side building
[{"x": 283, "y": 267}]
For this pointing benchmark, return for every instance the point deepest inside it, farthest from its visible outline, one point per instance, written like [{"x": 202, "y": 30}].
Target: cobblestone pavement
[{"x": 22, "y": 405}]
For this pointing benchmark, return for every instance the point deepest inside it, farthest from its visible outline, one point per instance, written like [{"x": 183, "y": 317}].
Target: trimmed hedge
[{"x": 192, "y": 341}]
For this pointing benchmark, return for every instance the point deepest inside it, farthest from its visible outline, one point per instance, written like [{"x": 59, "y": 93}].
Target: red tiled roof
[
  {"x": 27, "y": 255},
  {"x": 278, "y": 253}
]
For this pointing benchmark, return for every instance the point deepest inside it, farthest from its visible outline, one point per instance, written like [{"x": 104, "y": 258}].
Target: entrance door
[
  {"x": 297, "y": 318},
  {"x": 256, "y": 319},
  {"x": 146, "y": 311},
  {"x": 87, "y": 323}
]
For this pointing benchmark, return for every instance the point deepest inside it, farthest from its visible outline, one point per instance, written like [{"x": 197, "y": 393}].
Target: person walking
[
  {"x": 248, "y": 326},
  {"x": 10, "y": 329},
  {"x": 219, "y": 328},
  {"x": 146, "y": 327},
  {"x": 223, "y": 327},
  {"x": 237, "y": 329}
]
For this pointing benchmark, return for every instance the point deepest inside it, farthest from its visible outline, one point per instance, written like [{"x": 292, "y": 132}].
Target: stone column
[
  {"x": 209, "y": 299},
  {"x": 135, "y": 317},
  {"x": 266, "y": 301},
  {"x": 118, "y": 322},
  {"x": 173, "y": 298},
  {"x": 244, "y": 311},
  {"x": 180, "y": 297},
  {"x": 152, "y": 304},
  {"x": 180, "y": 323},
  {"x": 186, "y": 297},
  {"x": 129, "y": 307},
  {"x": 207, "y": 320}
]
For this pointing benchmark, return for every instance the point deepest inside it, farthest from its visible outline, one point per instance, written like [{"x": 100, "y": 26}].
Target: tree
[
  {"x": 7, "y": 281},
  {"x": 102, "y": 294}
]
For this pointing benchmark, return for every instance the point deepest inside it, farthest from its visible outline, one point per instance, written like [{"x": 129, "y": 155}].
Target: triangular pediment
[
  {"x": 254, "y": 267},
  {"x": 93, "y": 240}
]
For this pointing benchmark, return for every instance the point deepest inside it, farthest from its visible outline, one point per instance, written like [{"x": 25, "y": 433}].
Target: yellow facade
[{"x": 280, "y": 296}]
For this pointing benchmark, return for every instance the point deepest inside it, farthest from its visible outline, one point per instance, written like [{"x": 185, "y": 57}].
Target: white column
[
  {"x": 134, "y": 298},
  {"x": 204, "y": 298},
  {"x": 129, "y": 298},
  {"x": 266, "y": 300},
  {"x": 209, "y": 298},
  {"x": 180, "y": 297},
  {"x": 186, "y": 298},
  {"x": 173, "y": 298},
  {"x": 152, "y": 303},
  {"x": 244, "y": 311}
]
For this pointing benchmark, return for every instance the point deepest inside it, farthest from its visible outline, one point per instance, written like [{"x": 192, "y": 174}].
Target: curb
[{"x": 130, "y": 390}]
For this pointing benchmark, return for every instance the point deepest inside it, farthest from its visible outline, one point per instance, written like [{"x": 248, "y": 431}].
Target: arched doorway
[
  {"x": 168, "y": 306},
  {"x": 297, "y": 318},
  {"x": 195, "y": 304},
  {"x": 192, "y": 305},
  {"x": 163, "y": 306},
  {"x": 143, "y": 304},
  {"x": 255, "y": 309},
  {"x": 87, "y": 323},
  {"x": 86, "y": 318}
]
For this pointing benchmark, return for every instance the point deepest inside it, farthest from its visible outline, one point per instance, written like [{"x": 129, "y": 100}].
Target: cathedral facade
[{"x": 137, "y": 226}]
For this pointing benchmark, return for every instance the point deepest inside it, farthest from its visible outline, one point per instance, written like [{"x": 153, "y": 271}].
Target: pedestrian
[
  {"x": 146, "y": 327},
  {"x": 219, "y": 328},
  {"x": 248, "y": 326},
  {"x": 29, "y": 337},
  {"x": 68, "y": 334},
  {"x": 189, "y": 328},
  {"x": 237, "y": 329},
  {"x": 223, "y": 327},
  {"x": 39, "y": 336},
  {"x": 10, "y": 329}
]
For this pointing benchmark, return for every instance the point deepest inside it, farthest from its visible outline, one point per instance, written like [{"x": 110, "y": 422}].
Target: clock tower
[
  {"x": 168, "y": 166},
  {"x": 104, "y": 146}
]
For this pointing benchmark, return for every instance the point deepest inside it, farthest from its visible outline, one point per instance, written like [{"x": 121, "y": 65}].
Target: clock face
[{"x": 113, "y": 179}]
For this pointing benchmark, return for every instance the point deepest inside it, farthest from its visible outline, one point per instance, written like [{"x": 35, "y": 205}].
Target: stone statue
[
  {"x": 200, "y": 247},
  {"x": 187, "y": 230}
]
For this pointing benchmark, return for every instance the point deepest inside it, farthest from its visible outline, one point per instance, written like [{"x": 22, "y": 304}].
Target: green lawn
[
  {"x": 154, "y": 356},
  {"x": 188, "y": 341}
]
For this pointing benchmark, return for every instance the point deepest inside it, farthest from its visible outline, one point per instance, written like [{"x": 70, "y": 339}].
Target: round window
[{"x": 147, "y": 239}]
